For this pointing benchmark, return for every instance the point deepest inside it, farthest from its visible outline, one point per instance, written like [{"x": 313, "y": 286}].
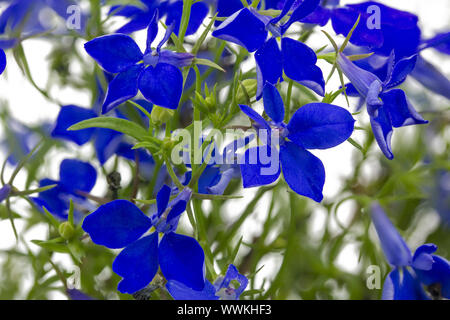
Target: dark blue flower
[
  {"x": 221, "y": 289},
  {"x": 388, "y": 108},
  {"x": 120, "y": 224},
  {"x": 140, "y": 17},
  {"x": 249, "y": 29},
  {"x": 313, "y": 126},
  {"x": 23, "y": 18},
  {"x": 4, "y": 192},
  {"x": 75, "y": 178},
  {"x": 410, "y": 272},
  {"x": 156, "y": 73}
]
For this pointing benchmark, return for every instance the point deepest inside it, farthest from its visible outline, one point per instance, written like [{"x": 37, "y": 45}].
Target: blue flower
[
  {"x": 221, "y": 289},
  {"x": 2, "y": 61},
  {"x": 140, "y": 17},
  {"x": 249, "y": 29},
  {"x": 23, "y": 18},
  {"x": 120, "y": 224},
  {"x": 75, "y": 178},
  {"x": 4, "y": 192},
  {"x": 410, "y": 273},
  {"x": 156, "y": 73},
  {"x": 313, "y": 126},
  {"x": 387, "y": 107}
]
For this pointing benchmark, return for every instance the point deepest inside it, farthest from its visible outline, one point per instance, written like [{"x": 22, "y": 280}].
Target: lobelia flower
[
  {"x": 25, "y": 17},
  {"x": 75, "y": 178},
  {"x": 4, "y": 192},
  {"x": 249, "y": 29},
  {"x": 411, "y": 272},
  {"x": 2, "y": 61},
  {"x": 156, "y": 73},
  {"x": 221, "y": 289},
  {"x": 140, "y": 16},
  {"x": 120, "y": 224},
  {"x": 313, "y": 126},
  {"x": 388, "y": 108}
]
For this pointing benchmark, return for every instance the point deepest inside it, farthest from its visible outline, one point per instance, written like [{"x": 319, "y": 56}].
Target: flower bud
[
  {"x": 250, "y": 86},
  {"x": 66, "y": 230},
  {"x": 161, "y": 115}
]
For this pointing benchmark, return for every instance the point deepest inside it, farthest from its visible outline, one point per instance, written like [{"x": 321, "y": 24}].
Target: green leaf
[
  {"x": 208, "y": 63},
  {"x": 121, "y": 125},
  {"x": 55, "y": 245}
]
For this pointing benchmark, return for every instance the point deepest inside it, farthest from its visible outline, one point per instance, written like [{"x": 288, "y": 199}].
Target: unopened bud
[
  {"x": 250, "y": 86},
  {"x": 66, "y": 230},
  {"x": 161, "y": 115}
]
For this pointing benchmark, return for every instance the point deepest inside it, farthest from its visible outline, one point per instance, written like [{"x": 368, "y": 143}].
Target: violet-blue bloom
[
  {"x": 313, "y": 126},
  {"x": 388, "y": 108},
  {"x": 221, "y": 289},
  {"x": 120, "y": 224},
  {"x": 2, "y": 61},
  {"x": 249, "y": 29},
  {"x": 156, "y": 73},
  {"x": 75, "y": 178},
  {"x": 410, "y": 273}
]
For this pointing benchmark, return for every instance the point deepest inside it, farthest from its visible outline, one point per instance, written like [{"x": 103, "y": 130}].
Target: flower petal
[
  {"x": 320, "y": 126},
  {"x": 403, "y": 286},
  {"x": 273, "y": 103},
  {"x": 114, "y": 53},
  {"x": 123, "y": 87},
  {"x": 162, "y": 85},
  {"x": 299, "y": 63},
  {"x": 182, "y": 259},
  {"x": 179, "y": 291},
  {"x": 431, "y": 78},
  {"x": 116, "y": 224},
  {"x": 302, "y": 11},
  {"x": 68, "y": 116},
  {"x": 107, "y": 142},
  {"x": 394, "y": 247},
  {"x": 243, "y": 28},
  {"x": 162, "y": 199},
  {"x": 258, "y": 167},
  {"x": 137, "y": 264},
  {"x": 382, "y": 130},
  {"x": 76, "y": 175},
  {"x": 401, "y": 112},
  {"x": 2, "y": 61},
  {"x": 269, "y": 65},
  {"x": 303, "y": 171}
]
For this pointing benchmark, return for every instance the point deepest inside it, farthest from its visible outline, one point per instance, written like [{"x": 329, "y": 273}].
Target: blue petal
[
  {"x": 116, "y": 224},
  {"x": 75, "y": 294},
  {"x": 401, "y": 112},
  {"x": 222, "y": 184},
  {"x": 394, "y": 247},
  {"x": 303, "y": 171},
  {"x": 199, "y": 10},
  {"x": 179, "y": 291},
  {"x": 431, "y": 78},
  {"x": 182, "y": 259},
  {"x": 177, "y": 209},
  {"x": 440, "y": 42},
  {"x": 122, "y": 88},
  {"x": 2, "y": 61},
  {"x": 226, "y": 8},
  {"x": 210, "y": 177},
  {"x": 177, "y": 59},
  {"x": 75, "y": 175},
  {"x": 403, "y": 286},
  {"x": 243, "y": 28},
  {"x": 162, "y": 199},
  {"x": 269, "y": 65},
  {"x": 68, "y": 116},
  {"x": 423, "y": 258},
  {"x": 107, "y": 142},
  {"x": 4, "y": 192},
  {"x": 302, "y": 11},
  {"x": 114, "y": 53},
  {"x": 320, "y": 16},
  {"x": 51, "y": 199},
  {"x": 162, "y": 85},
  {"x": 382, "y": 130},
  {"x": 320, "y": 126},
  {"x": 232, "y": 274},
  {"x": 257, "y": 166},
  {"x": 137, "y": 264},
  {"x": 273, "y": 103},
  {"x": 252, "y": 114},
  {"x": 400, "y": 71},
  {"x": 152, "y": 31},
  {"x": 360, "y": 78},
  {"x": 299, "y": 63}
]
